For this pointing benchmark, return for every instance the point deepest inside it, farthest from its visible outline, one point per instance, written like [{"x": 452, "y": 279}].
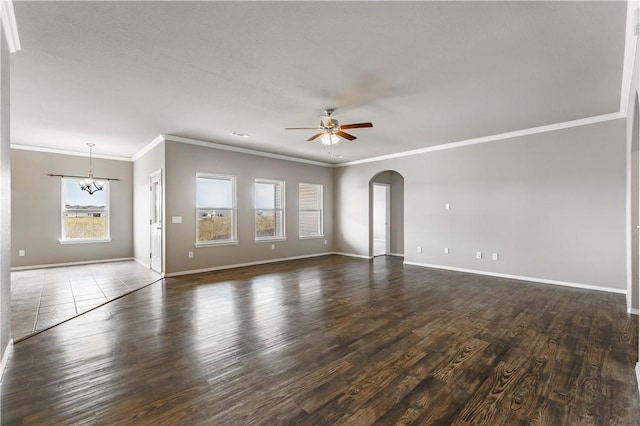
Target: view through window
[
  {"x": 85, "y": 217},
  {"x": 215, "y": 208}
]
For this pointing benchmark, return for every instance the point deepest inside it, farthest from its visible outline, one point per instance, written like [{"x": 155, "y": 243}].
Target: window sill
[
  {"x": 79, "y": 241},
  {"x": 312, "y": 237},
  {"x": 217, "y": 243},
  {"x": 269, "y": 240}
]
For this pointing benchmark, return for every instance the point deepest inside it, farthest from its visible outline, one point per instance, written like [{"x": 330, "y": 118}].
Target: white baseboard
[
  {"x": 396, "y": 254},
  {"x": 57, "y": 265},
  {"x": 146, "y": 265},
  {"x": 352, "y": 255},
  {"x": 638, "y": 374},
  {"x": 240, "y": 265},
  {"x": 521, "y": 278},
  {"x": 633, "y": 311},
  {"x": 5, "y": 358}
]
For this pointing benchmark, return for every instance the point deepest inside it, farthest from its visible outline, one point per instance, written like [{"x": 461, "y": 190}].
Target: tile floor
[{"x": 41, "y": 298}]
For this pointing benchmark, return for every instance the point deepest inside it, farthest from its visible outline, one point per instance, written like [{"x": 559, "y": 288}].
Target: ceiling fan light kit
[{"x": 330, "y": 131}]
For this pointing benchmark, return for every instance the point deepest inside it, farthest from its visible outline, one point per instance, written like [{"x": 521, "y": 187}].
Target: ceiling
[{"x": 119, "y": 74}]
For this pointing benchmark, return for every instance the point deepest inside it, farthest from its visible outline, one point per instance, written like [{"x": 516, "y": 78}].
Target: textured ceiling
[{"x": 119, "y": 74}]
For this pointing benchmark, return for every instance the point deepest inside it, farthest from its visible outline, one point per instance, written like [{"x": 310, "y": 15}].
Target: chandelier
[{"x": 89, "y": 184}]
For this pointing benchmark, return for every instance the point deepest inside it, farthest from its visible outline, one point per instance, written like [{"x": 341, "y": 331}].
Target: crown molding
[
  {"x": 63, "y": 152},
  {"x": 205, "y": 144},
  {"x": 9, "y": 25},
  {"x": 492, "y": 138},
  {"x": 630, "y": 45},
  {"x": 157, "y": 141}
]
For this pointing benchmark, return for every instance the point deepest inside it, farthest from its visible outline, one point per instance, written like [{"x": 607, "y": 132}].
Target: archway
[{"x": 386, "y": 214}]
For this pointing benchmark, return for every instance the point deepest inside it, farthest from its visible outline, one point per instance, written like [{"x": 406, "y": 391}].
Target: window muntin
[
  {"x": 269, "y": 210},
  {"x": 215, "y": 209},
  {"x": 310, "y": 212},
  {"x": 85, "y": 217}
]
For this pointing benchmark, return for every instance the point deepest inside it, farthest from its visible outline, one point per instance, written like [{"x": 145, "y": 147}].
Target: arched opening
[{"x": 386, "y": 214}]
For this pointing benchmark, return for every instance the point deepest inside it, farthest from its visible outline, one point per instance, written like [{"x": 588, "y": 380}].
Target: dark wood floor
[{"x": 334, "y": 340}]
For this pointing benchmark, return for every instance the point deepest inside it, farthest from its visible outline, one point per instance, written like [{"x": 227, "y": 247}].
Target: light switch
[
  {"x": 176, "y": 219},
  {"x": 446, "y": 250},
  {"x": 494, "y": 256},
  {"x": 478, "y": 255}
]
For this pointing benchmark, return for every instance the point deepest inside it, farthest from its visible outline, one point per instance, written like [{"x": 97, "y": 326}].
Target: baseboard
[
  {"x": 634, "y": 311},
  {"x": 359, "y": 256},
  {"x": 241, "y": 265},
  {"x": 638, "y": 375},
  {"x": 521, "y": 278},
  {"x": 146, "y": 265},
  {"x": 58, "y": 265},
  {"x": 5, "y": 358},
  {"x": 396, "y": 254}
]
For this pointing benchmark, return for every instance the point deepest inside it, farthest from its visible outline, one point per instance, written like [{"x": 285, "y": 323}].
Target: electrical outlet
[
  {"x": 325, "y": 242},
  {"x": 446, "y": 250},
  {"x": 419, "y": 249},
  {"x": 21, "y": 253},
  {"x": 478, "y": 255},
  {"x": 447, "y": 206},
  {"x": 494, "y": 256},
  {"x": 273, "y": 246},
  {"x": 190, "y": 255}
]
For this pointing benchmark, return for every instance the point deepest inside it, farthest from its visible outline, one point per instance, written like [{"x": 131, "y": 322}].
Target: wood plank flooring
[{"x": 334, "y": 340}]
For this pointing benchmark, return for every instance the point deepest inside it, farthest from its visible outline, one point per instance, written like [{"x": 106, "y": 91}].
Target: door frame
[
  {"x": 153, "y": 177},
  {"x": 387, "y": 216}
]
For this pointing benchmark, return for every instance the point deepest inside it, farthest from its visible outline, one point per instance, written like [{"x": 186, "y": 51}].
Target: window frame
[
  {"x": 234, "y": 209},
  {"x": 107, "y": 210},
  {"x": 320, "y": 210},
  {"x": 282, "y": 237}
]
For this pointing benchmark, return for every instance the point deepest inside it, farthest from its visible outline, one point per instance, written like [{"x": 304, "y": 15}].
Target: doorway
[
  {"x": 155, "y": 223},
  {"x": 386, "y": 214},
  {"x": 381, "y": 216}
]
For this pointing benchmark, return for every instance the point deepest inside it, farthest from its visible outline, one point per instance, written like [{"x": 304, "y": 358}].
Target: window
[
  {"x": 269, "y": 209},
  {"x": 215, "y": 209},
  {"x": 309, "y": 210},
  {"x": 85, "y": 217}
]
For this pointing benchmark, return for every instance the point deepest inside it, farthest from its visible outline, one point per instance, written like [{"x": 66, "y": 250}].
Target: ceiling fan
[{"x": 331, "y": 130}]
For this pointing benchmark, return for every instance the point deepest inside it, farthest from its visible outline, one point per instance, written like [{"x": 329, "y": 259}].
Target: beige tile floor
[{"x": 41, "y": 298}]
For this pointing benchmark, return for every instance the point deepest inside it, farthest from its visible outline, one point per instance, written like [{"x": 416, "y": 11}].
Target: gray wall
[
  {"x": 184, "y": 160},
  {"x": 551, "y": 204},
  {"x": 150, "y": 162},
  {"x": 5, "y": 198},
  {"x": 36, "y": 209}
]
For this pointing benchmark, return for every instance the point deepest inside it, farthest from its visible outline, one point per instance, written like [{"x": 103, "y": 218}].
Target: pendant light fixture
[{"x": 89, "y": 184}]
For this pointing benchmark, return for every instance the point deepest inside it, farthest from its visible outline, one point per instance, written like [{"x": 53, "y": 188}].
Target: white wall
[
  {"x": 551, "y": 204},
  {"x": 36, "y": 209},
  {"x": 5, "y": 198}
]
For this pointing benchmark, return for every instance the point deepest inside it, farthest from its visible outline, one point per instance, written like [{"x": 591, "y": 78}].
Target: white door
[
  {"x": 156, "y": 221},
  {"x": 381, "y": 217}
]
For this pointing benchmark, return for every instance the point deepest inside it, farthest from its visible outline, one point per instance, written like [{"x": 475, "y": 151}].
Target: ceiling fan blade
[
  {"x": 317, "y": 135},
  {"x": 356, "y": 125},
  {"x": 345, "y": 135},
  {"x": 302, "y": 128}
]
